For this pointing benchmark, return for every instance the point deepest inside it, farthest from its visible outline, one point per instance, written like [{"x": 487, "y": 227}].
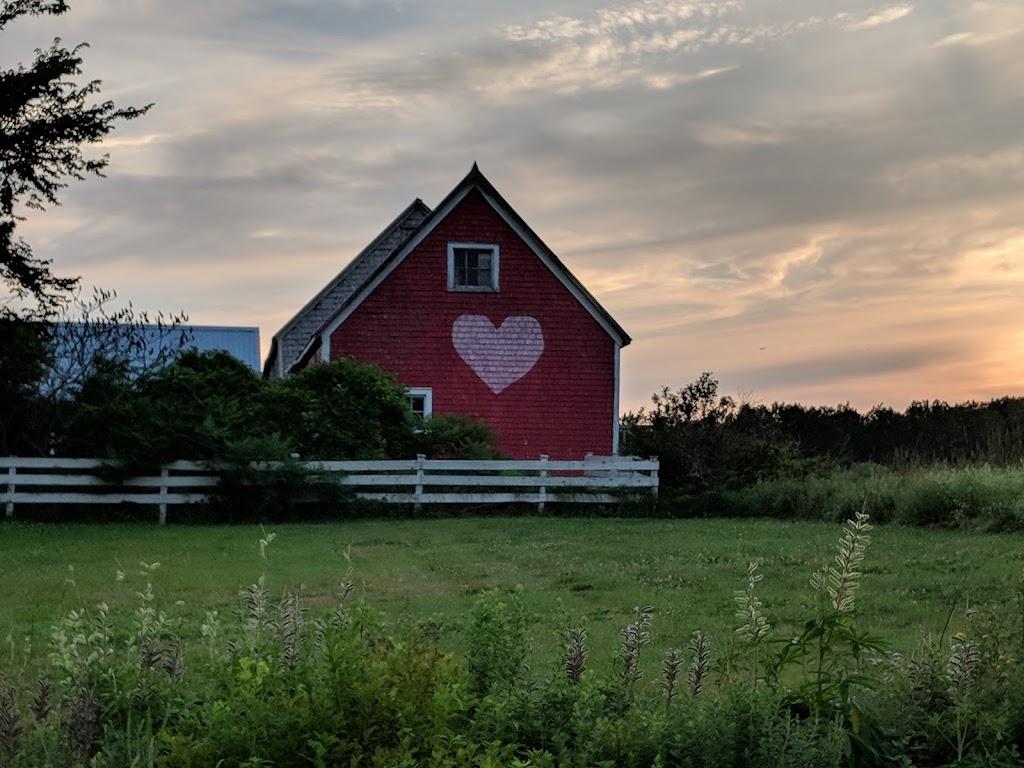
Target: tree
[
  {"x": 88, "y": 328},
  {"x": 190, "y": 409},
  {"x": 45, "y": 120},
  {"x": 684, "y": 430},
  {"x": 24, "y": 358},
  {"x": 704, "y": 440}
]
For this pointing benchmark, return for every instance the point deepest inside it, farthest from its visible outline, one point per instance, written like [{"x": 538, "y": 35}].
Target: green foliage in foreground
[
  {"x": 574, "y": 573},
  {"x": 279, "y": 682}
]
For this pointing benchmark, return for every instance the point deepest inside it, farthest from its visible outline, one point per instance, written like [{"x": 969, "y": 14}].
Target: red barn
[{"x": 474, "y": 315}]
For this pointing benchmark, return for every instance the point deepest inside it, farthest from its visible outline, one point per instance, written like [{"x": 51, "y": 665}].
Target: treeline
[{"x": 705, "y": 440}]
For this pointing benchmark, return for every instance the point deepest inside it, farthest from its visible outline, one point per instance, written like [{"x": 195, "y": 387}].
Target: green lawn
[{"x": 574, "y": 572}]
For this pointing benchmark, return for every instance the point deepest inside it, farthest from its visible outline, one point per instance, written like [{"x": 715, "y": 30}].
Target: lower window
[{"x": 421, "y": 401}]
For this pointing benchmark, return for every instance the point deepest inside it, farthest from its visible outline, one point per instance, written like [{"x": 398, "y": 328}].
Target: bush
[
  {"x": 258, "y": 480},
  {"x": 969, "y": 498},
  {"x": 338, "y": 410},
  {"x": 497, "y": 642},
  {"x": 190, "y": 409},
  {"x": 454, "y": 436}
]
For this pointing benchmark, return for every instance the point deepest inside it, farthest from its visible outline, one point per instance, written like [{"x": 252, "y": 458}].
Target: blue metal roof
[{"x": 242, "y": 342}]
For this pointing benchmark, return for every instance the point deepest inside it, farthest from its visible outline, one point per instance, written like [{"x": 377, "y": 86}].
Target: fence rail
[{"x": 72, "y": 482}]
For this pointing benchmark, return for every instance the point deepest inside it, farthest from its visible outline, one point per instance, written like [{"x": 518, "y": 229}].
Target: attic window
[{"x": 472, "y": 267}]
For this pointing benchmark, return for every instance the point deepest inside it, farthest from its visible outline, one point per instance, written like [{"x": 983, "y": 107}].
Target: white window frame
[
  {"x": 495, "y": 261},
  {"x": 428, "y": 399}
]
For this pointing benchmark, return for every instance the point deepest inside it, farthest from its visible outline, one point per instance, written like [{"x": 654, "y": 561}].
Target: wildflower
[
  {"x": 574, "y": 659},
  {"x": 962, "y": 663},
  {"x": 755, "y": 627},
  {"x": 11, "y": 728},
  {"x": 266, "y": 541},
  {"x": 841, "y": 580},
  {"x": 700, "y": 665},
  {"x": 41, "y": 703},
  {"x": 80, "y": 725},
  {"x": 670, "y": 671},
  {"x": 634, "y": 637}
]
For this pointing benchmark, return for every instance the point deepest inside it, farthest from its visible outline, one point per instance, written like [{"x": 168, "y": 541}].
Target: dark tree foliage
[
  {"x": 46, "y": 118},
  {"x": 706, "y": 441},
  {"x": 454, "y": 436},
  {"x": 925, "y": 433},
  {"x": 51, "y": 370},
  {"x": 339, "y": 410},
  {"x": 189, "y": 409},
  {"x": 25, "y": 354},
  {"x": 207, "y": 405},
  {"x": 703, "y": 439}
]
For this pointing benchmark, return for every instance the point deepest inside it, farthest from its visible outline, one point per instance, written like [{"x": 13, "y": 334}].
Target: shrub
[
  {"x": 972, "y": 498},
  {"x": 338, "y": 410},
  {"x": 497, "y": 641},
  {"x": 257, "y": 479},
  {"x": 454, "y": 436}
]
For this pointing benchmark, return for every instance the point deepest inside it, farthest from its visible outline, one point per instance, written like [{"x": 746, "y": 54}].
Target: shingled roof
[{"x": 288, "y": 343}]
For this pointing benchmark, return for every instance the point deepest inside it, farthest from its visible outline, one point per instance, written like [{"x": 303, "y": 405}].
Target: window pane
[
  {"x": 473, "y": 268},
  {"x": 483, "y": 265}
]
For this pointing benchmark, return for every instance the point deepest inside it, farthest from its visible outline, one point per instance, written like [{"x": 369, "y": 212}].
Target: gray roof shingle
[{"x": 289, "y": 343}]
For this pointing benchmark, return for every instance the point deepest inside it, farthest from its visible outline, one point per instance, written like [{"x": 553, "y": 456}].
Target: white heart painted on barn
[{"x": 499, "y": 356}]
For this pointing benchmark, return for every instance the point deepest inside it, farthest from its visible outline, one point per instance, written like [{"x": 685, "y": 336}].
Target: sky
[{"x": 817, "y": 201}]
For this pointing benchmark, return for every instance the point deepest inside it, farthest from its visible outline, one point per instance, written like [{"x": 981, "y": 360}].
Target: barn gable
[{"x": 475, "y": 180}]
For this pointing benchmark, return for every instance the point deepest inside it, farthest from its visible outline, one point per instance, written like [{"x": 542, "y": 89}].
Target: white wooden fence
[{"x": 596, "y": 479}]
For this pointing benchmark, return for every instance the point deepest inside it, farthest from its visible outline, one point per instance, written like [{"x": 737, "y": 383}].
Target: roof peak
[{"x": 474, "y": 174}]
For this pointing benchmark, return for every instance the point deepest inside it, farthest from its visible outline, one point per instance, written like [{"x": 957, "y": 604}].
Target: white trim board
[{"x": 615, "y": 402}]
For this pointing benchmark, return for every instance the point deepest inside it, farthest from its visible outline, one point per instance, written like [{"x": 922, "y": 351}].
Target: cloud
[
  {"x": 834, "y": 183},
  {"x": 848, "y": 366},
  {"x": 885, "y": 16}
]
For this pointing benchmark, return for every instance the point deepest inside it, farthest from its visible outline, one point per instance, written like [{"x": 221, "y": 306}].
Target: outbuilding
[{"x": 473, "y": 314}]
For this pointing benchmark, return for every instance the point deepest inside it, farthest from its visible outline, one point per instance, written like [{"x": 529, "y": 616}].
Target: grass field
[{"x": 573, "y": 573}]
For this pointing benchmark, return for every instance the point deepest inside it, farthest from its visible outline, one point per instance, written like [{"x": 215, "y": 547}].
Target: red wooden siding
[{"x": 564, "y": 406}]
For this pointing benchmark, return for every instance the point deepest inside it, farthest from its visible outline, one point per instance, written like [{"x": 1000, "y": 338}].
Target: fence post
[
  {"x": 164, "y": 474},
  {"x": 420, "y": 458},
  {"x": 10, "y": 489},
  {"x": 654, "y": 476},
  {"x": 542, "y": 491}
]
